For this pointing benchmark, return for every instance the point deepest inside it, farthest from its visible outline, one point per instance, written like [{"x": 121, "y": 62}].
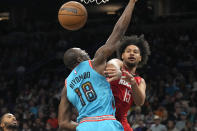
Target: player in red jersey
[{"x": 129, "y": 87}]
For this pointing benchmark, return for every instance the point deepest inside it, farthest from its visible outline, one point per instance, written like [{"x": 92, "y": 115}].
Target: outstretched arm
[
  {"x": 118, "y": 32},
  {"x": 65, "y": 113}
]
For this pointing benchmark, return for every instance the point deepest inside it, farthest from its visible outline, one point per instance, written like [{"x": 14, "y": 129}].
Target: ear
[
  {"x": 122, "y": 56},
  {"x": 2, "y": 125},
  {"x": 79, "y": 59},
  {"x": 140, "y": 59}
]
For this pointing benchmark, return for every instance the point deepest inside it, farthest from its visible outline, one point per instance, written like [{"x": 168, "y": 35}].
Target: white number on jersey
[{"x": 127, "y": 95}]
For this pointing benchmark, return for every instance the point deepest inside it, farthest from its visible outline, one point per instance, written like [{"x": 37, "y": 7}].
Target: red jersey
[{"x": 122, "y": 92}]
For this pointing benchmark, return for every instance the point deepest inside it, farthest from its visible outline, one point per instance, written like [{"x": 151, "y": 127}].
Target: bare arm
[
  {"x": 65, "y": 113},
  {"x": 139, "y": 94},
  {"x": 113, "y": 41}
]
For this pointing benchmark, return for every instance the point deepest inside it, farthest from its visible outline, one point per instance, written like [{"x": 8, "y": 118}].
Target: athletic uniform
[
  {"x": 91, "y": 95},
  {"x": 122, "y": 92}
]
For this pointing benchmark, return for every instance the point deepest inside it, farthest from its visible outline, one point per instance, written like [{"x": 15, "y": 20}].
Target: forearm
[
  {"x": 118, "y": 32},
  {"x": 138, "y": 95},
  {"x": 123, "y": 22},
  {"x": 64, "y": 120},
  {"x": 65, "y": 113}
]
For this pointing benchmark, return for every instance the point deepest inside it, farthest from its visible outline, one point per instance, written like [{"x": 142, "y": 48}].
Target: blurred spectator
[
  {"x": 26, "y": 127},
  {"x": 188, "y": 126},
  {"x": 180, "y": 124},
  {"x": 49, "y": 128},
  {"x": 136, "y": 116},
  {"x": 157, "y": 126},
  {"x": 195, "y": 126},
  {"x": 38, "y": 125},
  {"x": 53, "y": 120},
  {"x": 192, "y": 117},
  {"x": 149, "y": 118},
  {"x": 162, "y": 113},
  {"x": 141, "y": 126},
  {"x": 171, "y": 126}
]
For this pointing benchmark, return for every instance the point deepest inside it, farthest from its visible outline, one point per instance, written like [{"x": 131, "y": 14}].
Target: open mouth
[
  {"x": 132, "y": 58},
  {"x": 14, "y": 122}
]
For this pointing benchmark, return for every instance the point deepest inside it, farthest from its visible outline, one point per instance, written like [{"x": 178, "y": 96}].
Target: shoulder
[
  {"x": 142, "y": 80},
  {"x": 64, "y": 90},
  {"x": 142, "y": 83}
]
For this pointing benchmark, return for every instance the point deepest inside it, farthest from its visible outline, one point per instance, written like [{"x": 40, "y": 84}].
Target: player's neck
[
  {"x": 5, "y": 129},
  {"x": 131, "y": 70}
]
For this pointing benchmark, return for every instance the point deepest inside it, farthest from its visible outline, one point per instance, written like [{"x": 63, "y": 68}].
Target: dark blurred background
[{"x": 32, "y": 72}]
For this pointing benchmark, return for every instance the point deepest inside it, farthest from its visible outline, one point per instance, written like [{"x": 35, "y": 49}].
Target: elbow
[
  {"x": 62, "y": 125},
  {"x": 140, "y": 102}
]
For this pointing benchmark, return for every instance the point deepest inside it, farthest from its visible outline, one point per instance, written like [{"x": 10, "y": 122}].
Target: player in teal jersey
[{"x": 86, "y": 87}]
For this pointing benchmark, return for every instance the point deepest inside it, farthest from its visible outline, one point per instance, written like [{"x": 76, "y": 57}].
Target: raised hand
[
  {"x": 112, "y": 73},
  {"x": 128, "y": 77}
]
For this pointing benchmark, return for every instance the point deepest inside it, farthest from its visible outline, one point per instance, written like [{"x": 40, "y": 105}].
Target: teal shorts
[{"x": 104, "y": 125}]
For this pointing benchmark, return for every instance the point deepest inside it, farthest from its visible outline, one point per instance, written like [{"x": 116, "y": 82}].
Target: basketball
[{"x": 72, "y": 15}]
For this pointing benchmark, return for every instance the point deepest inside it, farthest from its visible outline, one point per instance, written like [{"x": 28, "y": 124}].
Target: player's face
[
  {"x": 131, "y": 56},
  {"x": 9, "y": 121}
]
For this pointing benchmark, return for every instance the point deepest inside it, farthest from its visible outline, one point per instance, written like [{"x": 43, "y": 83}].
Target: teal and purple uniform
[{"x": 91, "y": 95}]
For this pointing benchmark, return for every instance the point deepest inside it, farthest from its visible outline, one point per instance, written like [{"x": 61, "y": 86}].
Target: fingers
[
  {"x": 127, "y": 74},
  {"x": 112, "y": 74},
  {"x": 128, "y": 77},
  {"x": 109, "y": 72},
  {"x": 111, "y": 79},
  {"x": 110, "y": 68}
]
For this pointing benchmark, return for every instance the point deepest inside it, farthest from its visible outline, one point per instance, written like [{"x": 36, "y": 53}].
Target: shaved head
[
  {"x": 73, "y": 56},
  {"x": 8, "y": 121}
]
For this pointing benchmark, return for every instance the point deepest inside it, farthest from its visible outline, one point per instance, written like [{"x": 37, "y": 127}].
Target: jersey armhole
[
  {"x": 90, "y": 63},
  {"x": 65, "y": 86}
]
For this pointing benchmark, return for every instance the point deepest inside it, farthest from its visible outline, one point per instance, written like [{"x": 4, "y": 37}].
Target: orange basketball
[{"x": 72, "y": 15}]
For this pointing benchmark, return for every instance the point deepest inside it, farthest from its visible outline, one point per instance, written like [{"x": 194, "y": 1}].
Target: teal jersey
[{"x": 89, "y": 92}]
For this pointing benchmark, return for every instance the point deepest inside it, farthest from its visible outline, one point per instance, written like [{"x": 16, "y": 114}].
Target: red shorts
[{"x": 126, "y": 126}]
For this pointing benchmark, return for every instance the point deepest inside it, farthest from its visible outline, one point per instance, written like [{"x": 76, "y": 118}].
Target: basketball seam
[
  {"x": 78, "y": 8},
  {"x": 71, "y": 15}
]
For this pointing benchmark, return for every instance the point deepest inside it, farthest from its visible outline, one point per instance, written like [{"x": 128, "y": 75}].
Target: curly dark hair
[{"x": 140, "y": 42}]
